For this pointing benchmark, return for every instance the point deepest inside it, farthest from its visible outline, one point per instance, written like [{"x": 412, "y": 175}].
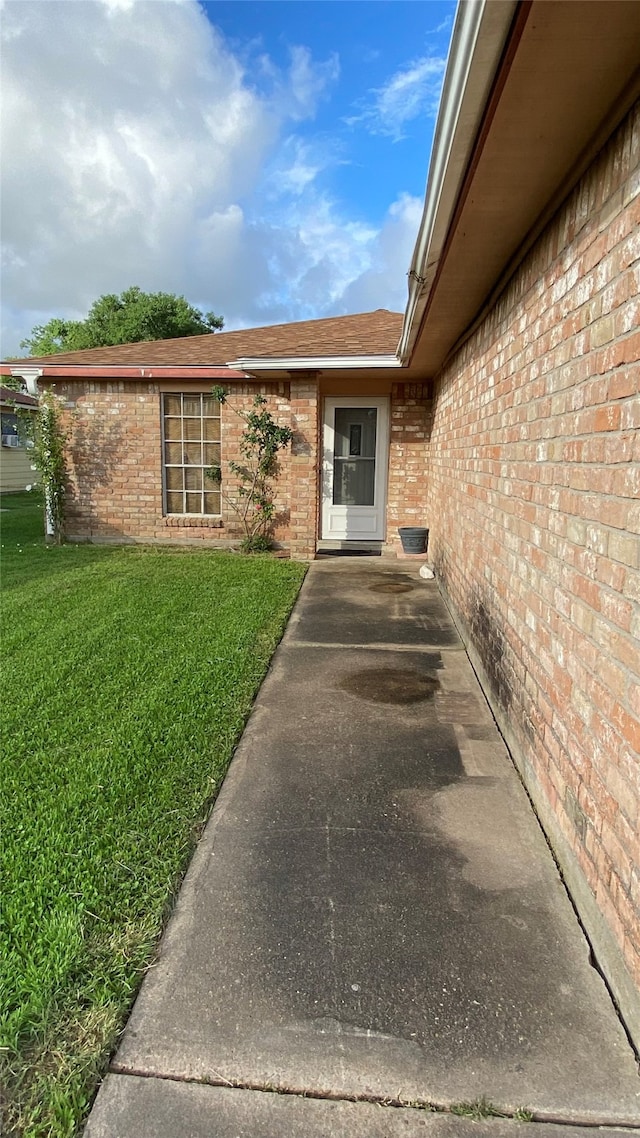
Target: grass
[
  {"x": 476, "y": 1110},
  {"x": 128, "y": 676},
  {"x": 481, "y": 1109}
]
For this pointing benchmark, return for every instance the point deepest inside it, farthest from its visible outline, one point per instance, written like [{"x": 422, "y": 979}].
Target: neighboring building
[
  {"x": 506, "y": 420},
  {"x": 16, "y": 472}
]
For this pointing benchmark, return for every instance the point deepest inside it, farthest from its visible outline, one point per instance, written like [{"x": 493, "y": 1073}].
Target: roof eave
[
  {"x": 512, "y": 141},
  {"x": 313, "y": 363},
  {"x": 477, "y": 43},
  {"x": 32, "y": 374}
]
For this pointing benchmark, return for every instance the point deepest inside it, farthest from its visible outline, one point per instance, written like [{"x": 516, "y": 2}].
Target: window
[
  {"x": 10, "y": 436},
  {"x": 191, "y": 444}
]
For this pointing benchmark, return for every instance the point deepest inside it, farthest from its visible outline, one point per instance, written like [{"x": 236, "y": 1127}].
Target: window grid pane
[
  {"x": 172, "y": 429},
  {"x": 189, "y": 421}
]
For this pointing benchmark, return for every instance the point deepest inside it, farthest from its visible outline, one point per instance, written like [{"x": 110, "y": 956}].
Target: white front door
[{"x": 354, "y": 469}]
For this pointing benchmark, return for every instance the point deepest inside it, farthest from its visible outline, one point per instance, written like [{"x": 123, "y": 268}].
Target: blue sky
[{"x": 267, "y": 160}]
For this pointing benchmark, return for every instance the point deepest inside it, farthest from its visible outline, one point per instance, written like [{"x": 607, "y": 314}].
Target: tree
[
  {"x": 126, "y": 319},
  {"x": 13, "y": 382}
]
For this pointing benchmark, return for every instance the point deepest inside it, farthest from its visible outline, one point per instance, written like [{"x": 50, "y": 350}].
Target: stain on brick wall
[
  {"x": 487, "y": 634},
  {"x": 532, "y": 496}
]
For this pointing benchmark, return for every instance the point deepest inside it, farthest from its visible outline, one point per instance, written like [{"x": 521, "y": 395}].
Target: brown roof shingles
[
  {"x": 367, "y": 333},
  {"x": 8, "y": 395}
]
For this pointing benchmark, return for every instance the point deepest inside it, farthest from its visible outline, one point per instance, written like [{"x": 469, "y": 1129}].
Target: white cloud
[
  {"x": 383, "y": 284},
  {"x": 409, "y": 93},
  {"x": 298, "y": 90},
  {"x": 122, "y": 126},
  {"x": 299, "y": 259},
  {"x": 136, "y": 150},
  {"x": 297, "y": 167},
  {"x": 308, "y": 81},
  {"x": 323, "y": 263},
  {"x": 115, "y": 5}
]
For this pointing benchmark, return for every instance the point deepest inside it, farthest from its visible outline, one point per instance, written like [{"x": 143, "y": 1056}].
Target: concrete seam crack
[{"x": 427, "y": 1106}]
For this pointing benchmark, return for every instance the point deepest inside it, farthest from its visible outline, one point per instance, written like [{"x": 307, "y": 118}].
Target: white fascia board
[
  {"x": 31, "y": 375},
  {"x": 312, "y": 363},
  {"x": 479, "y": 35}
]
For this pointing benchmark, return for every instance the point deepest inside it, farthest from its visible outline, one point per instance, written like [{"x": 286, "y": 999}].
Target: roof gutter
[
  {"x": 480, "y": 33},
  {"x": 31, "y": 375},
  {"x": 312, "y": 363}
]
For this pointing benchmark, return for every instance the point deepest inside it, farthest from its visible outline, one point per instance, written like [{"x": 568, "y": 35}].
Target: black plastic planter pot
[{"x": 414, "y": 539}]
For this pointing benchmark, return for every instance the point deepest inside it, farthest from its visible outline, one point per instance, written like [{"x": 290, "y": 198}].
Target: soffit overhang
[{"x": 568, "y": 75}]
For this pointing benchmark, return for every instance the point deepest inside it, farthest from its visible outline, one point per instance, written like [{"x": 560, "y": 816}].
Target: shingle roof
[
  {"x": 8, "y": 395},
  {"x": 367, "y": 333}
]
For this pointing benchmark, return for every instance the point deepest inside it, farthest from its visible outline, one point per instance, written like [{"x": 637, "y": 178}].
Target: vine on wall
[
  {"x": 49, "y": 438},
  {"x": 252, "y": 497}
]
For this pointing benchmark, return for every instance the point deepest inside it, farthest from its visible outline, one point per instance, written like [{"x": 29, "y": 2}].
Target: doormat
[{"x": 322, "y": 553}]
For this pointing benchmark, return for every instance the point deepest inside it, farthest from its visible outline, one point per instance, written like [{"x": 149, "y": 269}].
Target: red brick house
[
  {"x": 502, "y": 411},
  {"x": 145, "y": 429}
]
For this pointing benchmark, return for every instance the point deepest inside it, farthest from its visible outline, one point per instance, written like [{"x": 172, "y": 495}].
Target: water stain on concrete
[
  {"x": 391, "y": 685},
  {"x": 391, "y": 587},
  {"x": 470, "y": 814}
]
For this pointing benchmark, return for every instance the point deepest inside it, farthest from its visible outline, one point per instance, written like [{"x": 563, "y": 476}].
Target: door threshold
[{"x": 331, "y": 548}]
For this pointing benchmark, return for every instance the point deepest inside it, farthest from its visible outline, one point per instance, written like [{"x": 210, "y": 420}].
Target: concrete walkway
[{"x": 372, "y": 914}]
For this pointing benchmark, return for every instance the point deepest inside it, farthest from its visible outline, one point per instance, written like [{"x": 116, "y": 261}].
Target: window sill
[{"x": 201, "y": 521}]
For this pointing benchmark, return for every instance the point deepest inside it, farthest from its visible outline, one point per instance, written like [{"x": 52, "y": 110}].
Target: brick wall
[
  {"x": 533, "y": 504},
  {"x": 408, "y": 458},
  {"x": 240, "y": 399},
  {"x": 115, "y": 487},
  {"x": 115, "y": 465},
  {"x": 303, "y": 482},
  {"x": 115, "y": 483}
]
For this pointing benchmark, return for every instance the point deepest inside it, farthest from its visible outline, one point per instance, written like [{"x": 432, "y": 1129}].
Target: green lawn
[{"x": 128, "y": 674}]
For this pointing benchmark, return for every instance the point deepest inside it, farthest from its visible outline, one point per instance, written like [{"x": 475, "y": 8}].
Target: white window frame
[{"x": 184, "y": 512}]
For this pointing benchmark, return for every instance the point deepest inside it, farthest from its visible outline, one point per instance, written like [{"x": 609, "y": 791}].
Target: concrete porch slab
[{"x": 351, "y": 612}]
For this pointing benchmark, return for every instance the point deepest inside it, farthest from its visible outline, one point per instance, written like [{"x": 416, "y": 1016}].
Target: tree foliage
[
  {"x": 126, "y": 319},
  {"x": 13, "y": 382}
]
